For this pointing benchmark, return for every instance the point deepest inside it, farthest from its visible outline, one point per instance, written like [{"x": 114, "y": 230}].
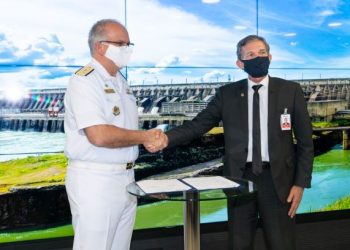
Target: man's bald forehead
[{"x": 116, "y": 25}]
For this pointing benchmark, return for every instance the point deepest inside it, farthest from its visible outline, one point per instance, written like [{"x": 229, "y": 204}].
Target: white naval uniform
[{"x": 103, "y": 213}]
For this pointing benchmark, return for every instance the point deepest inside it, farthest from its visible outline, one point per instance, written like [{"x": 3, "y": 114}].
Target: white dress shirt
[{"x": 263, "y": 104}]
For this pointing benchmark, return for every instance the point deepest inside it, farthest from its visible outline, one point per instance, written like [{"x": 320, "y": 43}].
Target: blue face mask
[{"x": 257, "y": 67}]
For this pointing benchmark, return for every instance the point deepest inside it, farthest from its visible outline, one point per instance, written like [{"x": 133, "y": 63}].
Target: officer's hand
[{"x": 157, "y": 140}]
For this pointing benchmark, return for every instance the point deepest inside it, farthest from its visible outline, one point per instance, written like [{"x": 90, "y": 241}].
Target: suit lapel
[
  {"x": 272, "y": 105},
  {"x": 243, "y": 97}
]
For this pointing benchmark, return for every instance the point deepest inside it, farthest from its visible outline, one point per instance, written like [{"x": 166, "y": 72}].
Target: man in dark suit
[{"x": 258, "y": 147}]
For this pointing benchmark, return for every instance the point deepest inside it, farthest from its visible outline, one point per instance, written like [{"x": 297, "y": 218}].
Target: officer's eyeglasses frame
[{"x": 119, "y": 44}]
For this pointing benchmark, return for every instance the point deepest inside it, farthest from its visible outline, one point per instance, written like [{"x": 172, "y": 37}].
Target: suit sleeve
[
  {"x": 202, "y": 123},
  {"x": 303, "y": 133}
]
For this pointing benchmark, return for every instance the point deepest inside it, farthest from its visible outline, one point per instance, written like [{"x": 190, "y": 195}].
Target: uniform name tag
[{"x": 109, "y": 91}]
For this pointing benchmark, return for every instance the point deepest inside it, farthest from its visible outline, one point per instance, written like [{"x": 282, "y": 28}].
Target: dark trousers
[{"x": 243, "y": 214}]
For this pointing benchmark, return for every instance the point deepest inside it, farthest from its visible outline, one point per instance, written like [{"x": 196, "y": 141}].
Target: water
[
  {"x": 20, "y": 144},
  {"x": 327, "y": 187}
]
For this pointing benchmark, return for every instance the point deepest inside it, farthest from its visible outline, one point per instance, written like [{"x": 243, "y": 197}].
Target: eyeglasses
[{"x": 119, "y": 44}]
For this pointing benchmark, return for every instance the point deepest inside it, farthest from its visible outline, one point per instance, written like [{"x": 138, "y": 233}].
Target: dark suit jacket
[{"x": 290, "y": 164}]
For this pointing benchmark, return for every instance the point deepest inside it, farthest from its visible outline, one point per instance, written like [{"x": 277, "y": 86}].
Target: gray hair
[
  {"x": 249, "y": 39},
  {"x": 98, "y": 32}
]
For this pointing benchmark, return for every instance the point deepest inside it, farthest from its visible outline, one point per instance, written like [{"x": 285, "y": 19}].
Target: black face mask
[{"x": 257, "y": 67}]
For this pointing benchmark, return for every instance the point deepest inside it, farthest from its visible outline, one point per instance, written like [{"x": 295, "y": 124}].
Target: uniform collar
[{"x": 102, "y": 71}]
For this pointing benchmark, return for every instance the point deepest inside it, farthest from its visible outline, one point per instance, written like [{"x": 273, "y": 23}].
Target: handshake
[{"x": 155, "y": 140}]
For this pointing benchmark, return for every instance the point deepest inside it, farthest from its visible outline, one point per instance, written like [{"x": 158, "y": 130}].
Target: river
[{"x": 20, "y": 144}]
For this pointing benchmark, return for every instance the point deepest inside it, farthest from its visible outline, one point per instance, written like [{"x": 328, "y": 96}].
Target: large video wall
[{"x": 176, "y": 42}]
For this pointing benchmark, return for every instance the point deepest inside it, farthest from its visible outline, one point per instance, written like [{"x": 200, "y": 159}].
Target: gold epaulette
[{"x": 84, "y": 71}]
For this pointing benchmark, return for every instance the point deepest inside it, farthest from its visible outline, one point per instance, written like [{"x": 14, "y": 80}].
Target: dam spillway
[{"x": 40, "y": 110}]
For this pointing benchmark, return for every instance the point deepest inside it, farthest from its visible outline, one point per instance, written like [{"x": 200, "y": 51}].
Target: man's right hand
[{"x": 156, "y": 140}]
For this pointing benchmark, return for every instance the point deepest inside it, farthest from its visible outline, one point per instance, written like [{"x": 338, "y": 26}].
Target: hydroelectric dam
[{"x": 172, "y": 104}]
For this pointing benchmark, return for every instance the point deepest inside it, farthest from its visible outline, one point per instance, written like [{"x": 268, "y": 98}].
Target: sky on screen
[{"x": 173, "y": 33}]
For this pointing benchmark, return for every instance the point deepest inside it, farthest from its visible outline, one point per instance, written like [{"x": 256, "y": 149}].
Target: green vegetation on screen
[
  {"x": 54, "y": 232},
  {"x": 343, "y": 203},
  {"x": 333, "y": 158},
  {"x": 324, "y": 124},
  {"x": 46, "y": 170},
  {"x": 170, "y": 213},
  {"x": 333, "y": 123}
]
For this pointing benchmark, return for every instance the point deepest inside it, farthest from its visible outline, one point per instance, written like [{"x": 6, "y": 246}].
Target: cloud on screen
[{"x": 170, "y": 34}]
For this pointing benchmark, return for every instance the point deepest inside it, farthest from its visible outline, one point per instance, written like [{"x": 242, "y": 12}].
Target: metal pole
[
  {"x": 125, "y": 23},
  {"x": 191, "y": 221},
  {"x": 257, "y": 17},
  {"x": 125, "y": 18}
]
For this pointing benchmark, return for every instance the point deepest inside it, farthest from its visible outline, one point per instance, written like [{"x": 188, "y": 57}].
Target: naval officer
[{"x": 101, "y": 123}]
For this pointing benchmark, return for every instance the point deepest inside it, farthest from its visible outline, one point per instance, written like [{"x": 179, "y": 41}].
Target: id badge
[{"x": 285, "y": 122}]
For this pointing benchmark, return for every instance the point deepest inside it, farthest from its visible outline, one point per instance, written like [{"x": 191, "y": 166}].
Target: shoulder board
[{"x": 84, "y": 71}]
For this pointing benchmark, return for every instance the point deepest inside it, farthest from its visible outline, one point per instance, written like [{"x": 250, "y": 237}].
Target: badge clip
[{"x": 285, "y": 120}]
